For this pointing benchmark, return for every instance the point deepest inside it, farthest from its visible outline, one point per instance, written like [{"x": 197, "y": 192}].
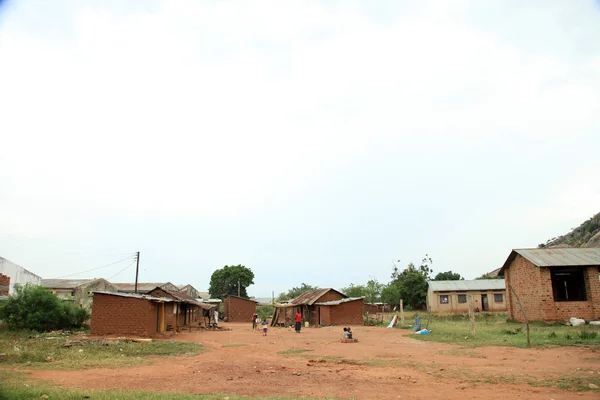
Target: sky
[{"x": 311, "y": 141}]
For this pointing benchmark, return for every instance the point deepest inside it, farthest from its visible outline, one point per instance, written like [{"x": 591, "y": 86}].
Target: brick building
[
  {"x": 126, "y": 314},
  {"x": 553, "y": 284},
  {"x": 321, "y": 307},
  {"x": 4, "y": 285},
  {"x": 188, "y": 312},
  {"x": 78, "y": 291},
  {"x": 452, "y": 296},
  {"x": 238, "y": 309}
]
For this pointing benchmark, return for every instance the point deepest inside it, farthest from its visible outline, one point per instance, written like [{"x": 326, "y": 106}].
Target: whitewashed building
[{"x": 18, "y": 275}]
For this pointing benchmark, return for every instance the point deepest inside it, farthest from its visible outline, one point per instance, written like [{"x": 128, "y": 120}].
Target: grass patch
[
  {"x": 293, "y": 352},
  {"x": 49, "y": 352},
  {"x": 15, "y": 387},
  {"x": 460, "y": 352},
  {"x": 493, "y": 330},
  {"x": 234, "y": 345}
]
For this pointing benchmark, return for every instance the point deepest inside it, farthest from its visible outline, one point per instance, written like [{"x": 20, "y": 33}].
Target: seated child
[
  {"x": 264, "y": 326},
  {"x": 347, "y": 334}
]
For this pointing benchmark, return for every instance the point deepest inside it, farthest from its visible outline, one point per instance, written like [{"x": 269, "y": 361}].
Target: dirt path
[{"x": 383, "y": 365}]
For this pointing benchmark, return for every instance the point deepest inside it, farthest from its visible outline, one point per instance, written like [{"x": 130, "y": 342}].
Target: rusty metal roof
[
  {"x": 138, "y": 296},
  {"x": 338, "y": 302},
  {"x": 558, "y": 257},
  {"x": 142, "y": 286},
  {"x": 312, "y": 296},
  {"x": 186, "y": 298}
]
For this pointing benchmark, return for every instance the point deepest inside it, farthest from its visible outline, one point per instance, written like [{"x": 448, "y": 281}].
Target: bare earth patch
[{"x": 385, "y": 364}]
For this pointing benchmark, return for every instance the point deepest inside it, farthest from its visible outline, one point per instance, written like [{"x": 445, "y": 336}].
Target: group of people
[{"x": 256, "y": 321}]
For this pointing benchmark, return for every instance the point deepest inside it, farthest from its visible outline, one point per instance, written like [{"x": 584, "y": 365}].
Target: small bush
[
  {"x": 568, "y": 336},
  {"x": 588, "y": 334},
  {"x": 552, "y": 335},
  {"x": 35, "y": 308}
]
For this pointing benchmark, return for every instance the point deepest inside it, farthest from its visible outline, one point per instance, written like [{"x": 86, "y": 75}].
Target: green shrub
[
  {"x": 35, "y": 308},
  {"x": 552, "y": 335},
  {"x": 265, "y": 311},
  {"x": 588, "y": 334}
]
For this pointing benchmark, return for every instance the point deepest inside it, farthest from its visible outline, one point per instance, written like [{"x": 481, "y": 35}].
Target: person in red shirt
[{"x": 298, "y": 321}]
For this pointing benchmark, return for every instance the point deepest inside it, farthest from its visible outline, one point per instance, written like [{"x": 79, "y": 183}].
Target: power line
[
  {"x": 121, "y": 271},
  {"x": 94, "y": 269}
]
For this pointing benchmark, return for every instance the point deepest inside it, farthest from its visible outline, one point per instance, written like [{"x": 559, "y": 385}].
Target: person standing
[
  {"x": 254, "y": 317},
  {"x": 298, "y": 321},
  {"x": 216, "y": 313}
]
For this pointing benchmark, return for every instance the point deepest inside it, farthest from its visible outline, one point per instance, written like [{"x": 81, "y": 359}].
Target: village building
[
  {"x": 188, "y": 312},
  {"x": 16, "y": 275},
  {"x": 80, "y": 291},
  {"x": 189, "y": 290},
  {"x": 453, "y": 296},
  {"x": 238, "y": 309},
  {"x": 321, "y": 307},
  {"x": 375, "y": 308},
  {"x": 553, "y": 284},
  {"x": 144, "y": 287}
]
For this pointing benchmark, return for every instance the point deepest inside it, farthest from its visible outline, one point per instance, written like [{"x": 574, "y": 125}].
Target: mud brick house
[
  {"x": 144, "y": 287},
  {"x": 4, "y": 285},
  {"x": 238, "y": 309},
  {"x": 321, "y": 307},
  {"x": 79, "y": 291},
  {"x": 187, "y": 312},
  {"x": 452, "y": 296},
  {"x": 374, "y": 308},
  {"x": 128, "y": 314},
  {"x": 17, "y": 274},
  {"x": 553, "y": 284}
]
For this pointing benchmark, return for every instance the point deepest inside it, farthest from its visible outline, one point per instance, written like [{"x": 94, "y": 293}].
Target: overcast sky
[{"x": 310, "y": 141}]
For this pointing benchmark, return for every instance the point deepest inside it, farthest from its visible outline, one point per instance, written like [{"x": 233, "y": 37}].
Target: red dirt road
[{"x": 384, "y": 365}]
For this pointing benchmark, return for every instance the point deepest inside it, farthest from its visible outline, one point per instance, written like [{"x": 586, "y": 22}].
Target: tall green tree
[
  {"x": 224, "y": 281},
  {"x": 296, "y": 291},
  {"x": 448, "y": 276},
  {"x": 410, "y": 284}
]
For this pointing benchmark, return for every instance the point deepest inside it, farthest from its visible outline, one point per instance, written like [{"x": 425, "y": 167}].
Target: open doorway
[{"x": 484, "y": 302}]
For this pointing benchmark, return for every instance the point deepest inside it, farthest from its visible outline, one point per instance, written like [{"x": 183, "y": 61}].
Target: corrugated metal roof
[
  {"x": 461, "y": 286},
  {"x": 338, "y": 302},
  {"x": 204, "y": 295},
  {"x": 557, "y": 257},
  {"x": 185, "y": 298},
  {"x": 142, "y": 286},
  {"x": 312, "y": 296},
  {"x": 65, "y": 283},
  {"x": 138, "y": 296}
]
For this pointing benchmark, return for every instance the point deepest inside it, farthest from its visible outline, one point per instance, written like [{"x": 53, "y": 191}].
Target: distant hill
[{"x": 586, "y": 235}]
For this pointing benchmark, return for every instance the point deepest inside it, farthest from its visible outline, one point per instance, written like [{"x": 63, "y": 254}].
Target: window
[
  {"x": 568, "y": 284},
  {"x": 462, "y": 298},
  {"x": 443, "y": 299},
  {"x": 498, "y": 298}
]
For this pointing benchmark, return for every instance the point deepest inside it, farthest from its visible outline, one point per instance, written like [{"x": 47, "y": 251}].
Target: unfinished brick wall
[
  {"x": 122, "y": 316},
  {"x": 534, "y": 287},
  {"x": 237, "y": 309},
  {"x": 4, "y": 284},
  {"x": 371, "y": 308},
  {"x": 349, "y": 313}
]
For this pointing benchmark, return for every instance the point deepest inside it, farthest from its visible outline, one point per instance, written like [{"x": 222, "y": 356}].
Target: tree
[
  {"x": 448, "y": 276},
  {"x": 355, "y": 290},
  {"x": 35, "y": 308},
  {"x": 410, "y": 285},
  {"x": 295, "y": 292},
  {"x": 225, "y": 281}
]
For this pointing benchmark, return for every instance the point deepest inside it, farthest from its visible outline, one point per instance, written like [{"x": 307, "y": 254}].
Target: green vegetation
[
  {"x": 585, "y": 235},
  {"x": 229, "y": 279},
  {"x": 409, "y": 285},
  {"x": 49, "y": 351},
  {"x": 35, "y": 308},
  {"x": 15, "y": 387},
  {"x": 492, "y": 329},
  {"x": 265, "y": 311},
  {"x": 448, "y": 276},
  {"x": 371, "y": 291},
  {"x": 296, "y": 291},
  {"x": 234, "y": 345},
  {"x": 293, "y": 351}
]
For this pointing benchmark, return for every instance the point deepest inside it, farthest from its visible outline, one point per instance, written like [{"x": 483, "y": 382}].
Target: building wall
[
  {"x": 238, "y": 310},
  {"x": 533, "y": 285},
  {"x": 190, "y": 291},
  {"x": 18, "y": 275},
  {"x": 4, "y": 284},
  {"x": 349, "y": 313},
  {"x": 83, "y": 295},
  {"x": 122, "y": 316},
  {"x": 371, "y": 308},
  {"x": 325, "y": 314},
  {"x": 453, "y": 305}
]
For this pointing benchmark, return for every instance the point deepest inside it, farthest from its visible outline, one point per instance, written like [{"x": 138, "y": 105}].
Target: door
[{"x": 484, "y": 302}]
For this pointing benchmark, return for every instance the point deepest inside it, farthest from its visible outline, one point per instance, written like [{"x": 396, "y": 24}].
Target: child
[
  {"x": 264, "y": 326},
  {"x": 347, "y": 335}
]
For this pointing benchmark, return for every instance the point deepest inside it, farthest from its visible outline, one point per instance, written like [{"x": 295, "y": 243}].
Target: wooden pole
[
  {"x": 472, "y": 315},
  {"x": 428, "y": 317},
  {"x": 137, "y": 271},
  {"x": 523, "y": 311},
  {"x": 238, "y": 288},
  {"x": 402, "y": 313}
]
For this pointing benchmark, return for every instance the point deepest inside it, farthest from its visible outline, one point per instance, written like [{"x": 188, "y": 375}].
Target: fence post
[
  {"x": 472, "y": 315},
  {"x": 523, "y": 311},
  {"x": 402, "y": 313}
]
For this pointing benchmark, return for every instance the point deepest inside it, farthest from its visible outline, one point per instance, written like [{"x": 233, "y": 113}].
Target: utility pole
[
  {"x": 238, "y": 288},
  {"x": 137, "y": 271}
]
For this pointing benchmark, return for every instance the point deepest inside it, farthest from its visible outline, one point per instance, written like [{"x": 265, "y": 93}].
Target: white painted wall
[{"x": 18, "y": 275}]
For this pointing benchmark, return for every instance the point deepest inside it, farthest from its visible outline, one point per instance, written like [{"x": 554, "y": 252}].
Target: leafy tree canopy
[
  {"x": 296, "y": 291},
  {"x": 371, "y": 291},
  {"x": 35, "y": 308},
  {"x": 410, "y": 285},
  {"x": 224, "y": 281},
  {"x": 448, "y": 276}
]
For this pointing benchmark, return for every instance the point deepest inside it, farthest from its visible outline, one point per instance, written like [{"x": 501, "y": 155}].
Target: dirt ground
[{"x": 384, "y": 364}]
